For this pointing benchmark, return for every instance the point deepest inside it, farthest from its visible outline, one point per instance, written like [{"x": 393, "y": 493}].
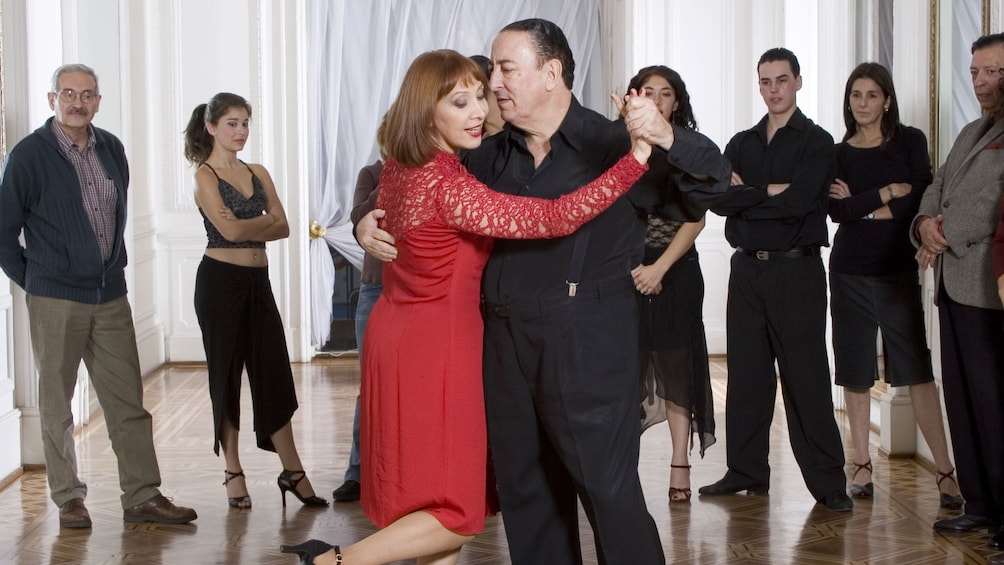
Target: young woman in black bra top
[{"x": 241, "y": 327}]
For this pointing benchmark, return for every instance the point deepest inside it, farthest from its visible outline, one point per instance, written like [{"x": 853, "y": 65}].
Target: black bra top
[{"x": 243, "y": 208}]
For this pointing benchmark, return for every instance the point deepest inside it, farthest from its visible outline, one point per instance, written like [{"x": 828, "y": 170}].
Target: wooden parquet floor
[{"x": 785, "y": 527}]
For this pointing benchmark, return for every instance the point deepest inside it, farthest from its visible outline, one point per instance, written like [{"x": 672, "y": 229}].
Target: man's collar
[
  {"x": 571, "y": 130},
  {"x": 63, "y": 138},
  {"x": 797, "y": 121}
]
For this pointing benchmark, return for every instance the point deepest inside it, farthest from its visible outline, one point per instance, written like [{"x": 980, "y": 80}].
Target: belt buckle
[{"x": 762, "y": 255}]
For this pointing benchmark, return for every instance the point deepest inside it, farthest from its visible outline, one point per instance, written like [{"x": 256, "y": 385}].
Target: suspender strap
[{"x": 578, "y": 258}]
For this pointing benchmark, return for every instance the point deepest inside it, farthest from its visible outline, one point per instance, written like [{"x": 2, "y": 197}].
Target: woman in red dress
[{"x": 425, "y": 478}]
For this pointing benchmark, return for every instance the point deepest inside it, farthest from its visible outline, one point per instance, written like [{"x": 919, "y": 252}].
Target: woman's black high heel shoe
[
  {"x": 287, "y": 482},
  {"x": 949, "y": 501},
  {"x": 866, "y": 490},
  {"x": 310, "y": 549},
  {"x": 236, "y": 501}
]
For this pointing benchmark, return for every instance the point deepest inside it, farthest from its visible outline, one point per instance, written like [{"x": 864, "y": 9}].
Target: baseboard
[{"x": 13, "y": 476}]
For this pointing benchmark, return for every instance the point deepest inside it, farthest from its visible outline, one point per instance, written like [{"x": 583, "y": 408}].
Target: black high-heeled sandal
[
  {"x": 287, "y": 482},
  {"x": 866, "y": 490},
  {"x": 310, "y": 549},
  {"x": 949, "y": 501},
  {"x": 236, "y": 501}
]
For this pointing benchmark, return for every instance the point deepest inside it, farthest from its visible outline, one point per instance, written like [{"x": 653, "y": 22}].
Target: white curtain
[{"x": 358, "y": 53}]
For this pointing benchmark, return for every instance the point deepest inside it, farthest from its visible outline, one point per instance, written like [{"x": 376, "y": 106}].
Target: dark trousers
[
  {"x": 972, "y": 369},
  {"x": 777, "y": 313},
  {"x": 561, "y": 395}
]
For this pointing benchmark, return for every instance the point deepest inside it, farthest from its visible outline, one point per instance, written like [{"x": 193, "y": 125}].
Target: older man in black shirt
[
  {"x": 777, "y": 293},
  {"x": 560, "y": 358},
  {"x": 561, "y": 387}
]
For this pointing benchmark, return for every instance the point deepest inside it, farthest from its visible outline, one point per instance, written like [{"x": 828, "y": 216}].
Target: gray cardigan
[{"x": 40, "y": 194}]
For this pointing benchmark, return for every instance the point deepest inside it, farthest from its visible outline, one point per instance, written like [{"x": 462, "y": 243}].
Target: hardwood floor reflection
[{"x": 785, "y": 527}]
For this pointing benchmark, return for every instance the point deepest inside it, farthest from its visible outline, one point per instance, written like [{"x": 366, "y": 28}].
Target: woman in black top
[
  {"x": 240, "y": 322},
  {"x": 673, "y": 351},
  {"x": 883, "y": 168}
]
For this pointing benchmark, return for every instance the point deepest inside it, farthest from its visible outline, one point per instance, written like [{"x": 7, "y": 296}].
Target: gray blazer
[{"x": 966, "y": 192}]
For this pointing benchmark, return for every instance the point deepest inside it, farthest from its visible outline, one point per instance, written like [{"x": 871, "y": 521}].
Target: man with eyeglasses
[
  {"x": 64, "y": 187},
  {"x": 953, "y": 232}
]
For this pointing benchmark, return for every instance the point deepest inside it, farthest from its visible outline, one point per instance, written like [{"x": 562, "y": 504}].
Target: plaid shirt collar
[{"x": 66, "y": 144}]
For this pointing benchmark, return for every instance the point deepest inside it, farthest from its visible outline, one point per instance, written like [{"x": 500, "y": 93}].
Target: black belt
[{"x": 792, "y": 253}]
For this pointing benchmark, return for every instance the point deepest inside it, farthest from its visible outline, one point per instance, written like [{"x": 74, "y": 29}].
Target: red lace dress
[{"x": 423, "y": 436}]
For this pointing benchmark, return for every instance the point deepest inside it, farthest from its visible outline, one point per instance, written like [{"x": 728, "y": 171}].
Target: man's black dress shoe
[
  {"x": 729, "y": 485},
  {"x": 997, "y": 540},
  {"x": 348, "y": 492},
  {"x": 838, "y": 501},
  {"x": 963, "y": 523}
]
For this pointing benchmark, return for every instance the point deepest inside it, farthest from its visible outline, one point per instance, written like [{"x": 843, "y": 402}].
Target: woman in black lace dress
[{"x": 673, "y": 355}]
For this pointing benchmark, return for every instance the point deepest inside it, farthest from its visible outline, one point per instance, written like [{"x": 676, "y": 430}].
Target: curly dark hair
[{"x": 683, "y": 116}]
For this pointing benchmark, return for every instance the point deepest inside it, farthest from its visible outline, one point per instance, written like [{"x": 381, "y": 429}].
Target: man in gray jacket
[
  {"x": 954, "y": 232},
  {"x": 64, "y": 186}
]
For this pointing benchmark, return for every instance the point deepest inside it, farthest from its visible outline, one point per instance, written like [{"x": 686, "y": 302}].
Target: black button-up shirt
[
  {"x": 801, "y": 153},
  {"x": 585, "y": 145}
]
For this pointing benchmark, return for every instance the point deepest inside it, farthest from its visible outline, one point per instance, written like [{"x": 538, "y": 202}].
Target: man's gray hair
[{"x": 74, "y": 68}]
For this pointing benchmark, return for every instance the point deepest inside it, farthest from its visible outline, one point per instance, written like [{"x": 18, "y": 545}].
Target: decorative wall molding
[{"x": 3, "y": 124}]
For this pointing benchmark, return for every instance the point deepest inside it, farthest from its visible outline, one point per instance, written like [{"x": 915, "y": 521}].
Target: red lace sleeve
[{"x": 470, "y": 206}]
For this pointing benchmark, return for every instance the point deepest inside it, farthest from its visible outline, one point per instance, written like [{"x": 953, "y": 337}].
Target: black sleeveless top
[{"x": 242, "y": 207}]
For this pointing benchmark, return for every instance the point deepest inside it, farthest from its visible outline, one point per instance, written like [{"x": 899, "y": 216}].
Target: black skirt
[
  {"x": 673, "y": 349},
  {"x": 241, "y": 328}
]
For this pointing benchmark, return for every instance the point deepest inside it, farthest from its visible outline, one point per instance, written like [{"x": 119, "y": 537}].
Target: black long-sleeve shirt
[
  {"x": 878, "y": 247},
  {"x": 585, "y": 145},
  {"x": 800, "y": 153}
]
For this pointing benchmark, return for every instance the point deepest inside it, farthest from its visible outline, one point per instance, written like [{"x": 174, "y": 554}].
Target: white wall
[{"x": 10, "y": 414}]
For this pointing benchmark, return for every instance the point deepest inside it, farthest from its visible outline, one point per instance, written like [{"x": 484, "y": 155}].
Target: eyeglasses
[{"x": 86, "y": 96}]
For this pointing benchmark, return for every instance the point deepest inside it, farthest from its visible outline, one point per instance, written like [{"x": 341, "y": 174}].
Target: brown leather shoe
[
  {"x": 73, "y": 514},
  {"x": 161, "y": 510}
]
